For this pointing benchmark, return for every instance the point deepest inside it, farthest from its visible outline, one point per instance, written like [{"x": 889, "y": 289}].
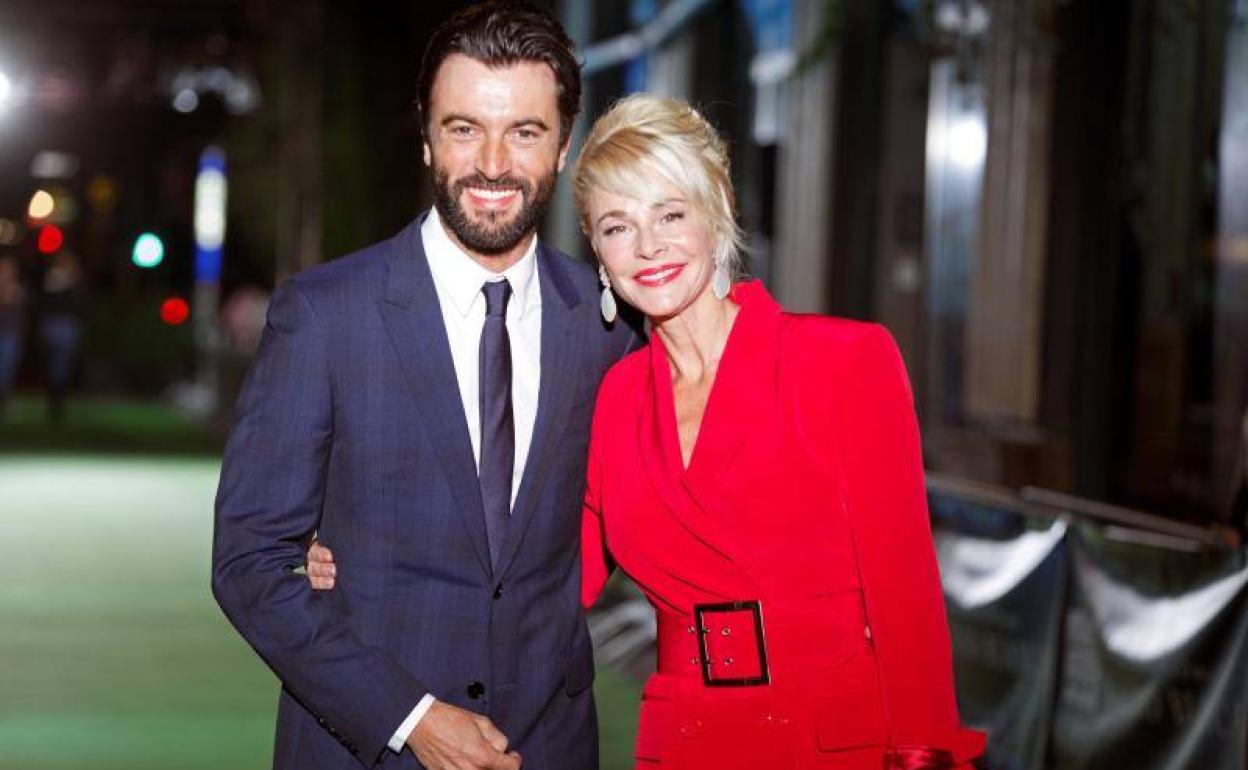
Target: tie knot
[{"x": 496, "y": 295}]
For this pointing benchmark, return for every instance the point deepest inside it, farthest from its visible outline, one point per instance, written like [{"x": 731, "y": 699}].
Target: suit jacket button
[
  {"x": 498, "y": 591},
  {"x": 476, "y": 690}
]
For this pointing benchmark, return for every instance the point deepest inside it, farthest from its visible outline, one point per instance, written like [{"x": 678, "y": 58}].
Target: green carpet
[
  {"x": 112, "y": 652},
  {"x": 103, "y": 426}
]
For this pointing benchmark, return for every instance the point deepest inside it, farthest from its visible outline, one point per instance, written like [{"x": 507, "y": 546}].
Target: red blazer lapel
[{"x": 746, "y": 381}]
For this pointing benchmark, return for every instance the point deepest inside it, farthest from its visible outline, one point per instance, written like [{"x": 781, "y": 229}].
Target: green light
[{"x": 149, "y": 251}]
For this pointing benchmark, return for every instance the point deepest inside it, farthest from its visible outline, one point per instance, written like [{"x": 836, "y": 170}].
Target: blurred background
[{"x": 1046, "y": 201}]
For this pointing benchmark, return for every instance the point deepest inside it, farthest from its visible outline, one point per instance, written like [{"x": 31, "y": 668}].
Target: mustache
[{"x": 503, "y": 183}]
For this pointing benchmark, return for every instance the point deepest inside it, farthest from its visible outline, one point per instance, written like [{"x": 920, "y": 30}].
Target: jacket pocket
[{"x": 849, "y": 708}]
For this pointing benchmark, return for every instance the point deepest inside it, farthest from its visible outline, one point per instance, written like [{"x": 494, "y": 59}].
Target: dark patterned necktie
[{"x": 498, "y": 432}]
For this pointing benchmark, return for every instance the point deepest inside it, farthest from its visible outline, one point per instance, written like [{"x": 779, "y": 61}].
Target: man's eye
[
  {"x": 527, "y": 134},
  {"x": 462, "y": 130}
]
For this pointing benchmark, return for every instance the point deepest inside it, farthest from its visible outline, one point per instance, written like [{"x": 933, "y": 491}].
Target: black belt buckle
[{"x": 755, "y": 607}]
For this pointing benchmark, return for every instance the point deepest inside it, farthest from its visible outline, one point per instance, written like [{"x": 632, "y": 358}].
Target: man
[{"x": 423, "y": 406}]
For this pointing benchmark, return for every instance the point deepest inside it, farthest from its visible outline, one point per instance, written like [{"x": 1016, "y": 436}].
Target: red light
[
  {"x": 174, "y": 311},
  {"x": 50, "y": 239}
]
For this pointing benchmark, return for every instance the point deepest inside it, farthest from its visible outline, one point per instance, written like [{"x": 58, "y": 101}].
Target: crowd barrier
[{"x": 1093, "y": 637}]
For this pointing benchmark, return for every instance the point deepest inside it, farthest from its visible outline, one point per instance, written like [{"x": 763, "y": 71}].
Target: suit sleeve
[
  {"x": 268, "y": 502},
  {"x": 596, "y": 565},
  {"x": 887, "y": 501},
  {"x": 595, "y": 562}
]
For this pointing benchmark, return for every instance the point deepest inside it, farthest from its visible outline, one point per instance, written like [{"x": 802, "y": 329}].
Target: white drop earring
[
  {"x": 607, "y": 305},
  {"x": 721, "y": 281}
]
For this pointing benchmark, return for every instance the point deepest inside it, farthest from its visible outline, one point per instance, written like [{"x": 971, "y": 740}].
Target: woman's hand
[{"x": 322, "y": 573}]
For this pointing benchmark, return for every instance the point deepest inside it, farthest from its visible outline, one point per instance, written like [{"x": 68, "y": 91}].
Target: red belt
[{"x": 744, "y": 643}]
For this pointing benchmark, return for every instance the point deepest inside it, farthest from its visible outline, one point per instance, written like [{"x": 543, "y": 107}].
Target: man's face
[{"x": 493, "y": 144}]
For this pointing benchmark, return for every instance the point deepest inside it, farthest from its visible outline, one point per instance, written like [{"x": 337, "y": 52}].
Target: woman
[{"x": 757, "y": 474}]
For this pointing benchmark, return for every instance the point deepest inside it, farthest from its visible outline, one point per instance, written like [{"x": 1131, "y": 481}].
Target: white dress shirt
[{"x": 458, "y": 279}]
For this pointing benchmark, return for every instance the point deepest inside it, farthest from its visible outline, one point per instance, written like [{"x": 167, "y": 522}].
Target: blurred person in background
[
  {"x": 12, "y": 325},
  {"x": 758, "y": 475},
  {"x": 423, "y": 406},
  {"x": 242, "y": 317},
  {"x": 61, "y": 308}
]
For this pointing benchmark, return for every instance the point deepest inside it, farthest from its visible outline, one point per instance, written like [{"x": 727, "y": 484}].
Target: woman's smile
[{"x": 658, "y": 275}]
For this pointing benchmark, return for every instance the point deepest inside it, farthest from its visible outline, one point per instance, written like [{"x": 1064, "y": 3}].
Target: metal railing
[{"x": 1049, "y": 503}]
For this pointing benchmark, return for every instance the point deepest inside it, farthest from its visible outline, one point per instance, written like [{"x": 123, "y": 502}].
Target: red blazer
[{"x": 804, "y": 493}]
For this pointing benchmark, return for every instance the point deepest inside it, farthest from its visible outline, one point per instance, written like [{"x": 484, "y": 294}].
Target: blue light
[{"x": 210, "y": 209}]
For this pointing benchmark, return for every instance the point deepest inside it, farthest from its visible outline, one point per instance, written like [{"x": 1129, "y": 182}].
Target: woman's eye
[
  {"x": 613, "y": 230},
  {"x": 673, "y": 216}
]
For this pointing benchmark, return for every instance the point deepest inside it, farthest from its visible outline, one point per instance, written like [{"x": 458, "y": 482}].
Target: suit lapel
[
  {"x": 563, "y": 341},
  {"x": 413, "y": 319}
]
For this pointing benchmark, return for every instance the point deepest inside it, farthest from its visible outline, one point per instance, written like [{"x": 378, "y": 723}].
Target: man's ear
[
  {"x": 427, "y": 153},
  {"x": 563, "y": 154}
]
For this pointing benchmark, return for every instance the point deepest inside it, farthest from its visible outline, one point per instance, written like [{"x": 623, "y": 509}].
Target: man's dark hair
[{"x": 501, "y": 34}]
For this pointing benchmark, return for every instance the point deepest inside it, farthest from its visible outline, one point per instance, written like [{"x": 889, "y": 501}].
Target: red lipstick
[{"x": 658, "y": 275}]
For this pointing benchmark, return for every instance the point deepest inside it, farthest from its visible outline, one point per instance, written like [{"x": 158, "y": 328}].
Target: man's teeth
[{"x": 493, "y": 195}]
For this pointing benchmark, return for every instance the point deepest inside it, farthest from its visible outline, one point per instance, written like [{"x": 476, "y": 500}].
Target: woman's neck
[{"x": 695, "y": 338}]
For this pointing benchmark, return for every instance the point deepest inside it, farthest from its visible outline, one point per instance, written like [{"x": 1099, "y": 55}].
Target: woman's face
[{"x": 659, "y": 255}]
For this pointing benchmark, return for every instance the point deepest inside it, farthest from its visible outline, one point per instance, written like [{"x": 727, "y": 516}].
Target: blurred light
[
  {"x": 186, "y": 101},
  {"x": 54, "y": 165},
  {"x": 64, "y": 207},
  {"x": 9, "y": 234},
  {"x": 237, "y": 88},
  {"x": 977, "y": 20},
  {"x": 6, "y": 90},
  {"x": 175, "y": 311},
  {"x": 216, "y": 79},
  {"x": 149, "y": 251},
  {"x": 242, "y": 96},
  {"x": 50, "y": 239},
  {"x": 948, "y": 17},
  {"x": 41, "y": 205},
  {"x": 968, "y": 142},
  {"x": 102, "y": 194},
  {"x": 962, "y": 18},
  {"x": 210, "y": 200}
]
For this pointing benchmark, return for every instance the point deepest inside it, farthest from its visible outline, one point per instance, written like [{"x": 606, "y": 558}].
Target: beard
[{"x": 492, "y": 234}]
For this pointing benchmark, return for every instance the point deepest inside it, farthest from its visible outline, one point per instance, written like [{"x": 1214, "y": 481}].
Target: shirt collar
[{"x": 460, "y": 277}]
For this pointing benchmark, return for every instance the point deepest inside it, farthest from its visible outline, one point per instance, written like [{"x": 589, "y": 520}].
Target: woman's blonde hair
[{"x": 642, "y": 136}]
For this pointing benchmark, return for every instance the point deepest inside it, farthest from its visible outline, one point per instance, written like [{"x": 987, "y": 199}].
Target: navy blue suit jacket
[{"x": 350, "y": 424}]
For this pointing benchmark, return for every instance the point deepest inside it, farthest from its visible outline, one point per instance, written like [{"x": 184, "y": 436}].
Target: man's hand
[
  {"x": 322, "y": 573},
  {"x": 450, "y": 738}
]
